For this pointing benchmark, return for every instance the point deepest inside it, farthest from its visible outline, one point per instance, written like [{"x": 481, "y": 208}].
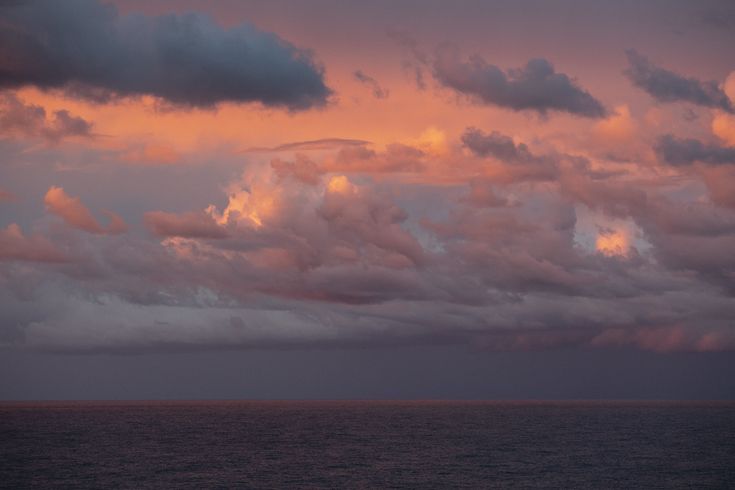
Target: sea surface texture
[{"x": 367, "y": 445}]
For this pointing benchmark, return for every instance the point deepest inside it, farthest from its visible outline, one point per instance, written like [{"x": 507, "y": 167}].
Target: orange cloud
[
  {"x": 618, "y": 127},
  {"x": 613, "y": 242},
  {"x": 76, "y": 215}
]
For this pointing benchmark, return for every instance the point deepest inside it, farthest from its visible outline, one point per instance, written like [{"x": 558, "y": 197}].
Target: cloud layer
[{"x": 495, "y": 208}]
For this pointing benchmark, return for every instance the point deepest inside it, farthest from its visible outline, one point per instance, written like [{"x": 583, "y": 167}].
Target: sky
[{"x": 323, "y": 199}]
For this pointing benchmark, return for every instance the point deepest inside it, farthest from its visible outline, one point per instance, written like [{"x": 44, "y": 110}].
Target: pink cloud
[
  {"x": 35, "y": 248},
  {"x": 76, "y": 215}
]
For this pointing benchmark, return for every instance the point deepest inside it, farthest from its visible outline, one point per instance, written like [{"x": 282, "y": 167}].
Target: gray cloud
[
  {"x": 19, "y": 118},
  {"x": 497, "y": 145},
  {"x": 523, "y": 164},
  {"x": 686, "y": 151},
  {"x": 536, "y": 86},
  {"x": 378, "y": 91},
  {"x": 90, "y": 50},
  {"x": 667, "y": 86}
]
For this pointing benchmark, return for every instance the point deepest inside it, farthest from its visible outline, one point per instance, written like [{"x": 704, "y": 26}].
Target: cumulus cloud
[
  {"x": 378, "y": 91},
  {"x": 19, "y": 118},
  {"x": 667, "y": 86},
  {"x": 90, "y": 50},
  {"x": 686, "y": 151},
  {"x": 331, "y": 249},
  {"x": 535, "y": 86},
  {"x": 75, "y": 214}
]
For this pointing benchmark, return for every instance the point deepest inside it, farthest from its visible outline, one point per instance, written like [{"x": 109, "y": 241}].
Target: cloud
[
  {"x": 76, "y": 215},
  {"x": 187, "y": 225},
  {"x": 19, "y": 118},
  {"x": 667, "y": 86},
  {"x": 378, "y": 91},
  {"x": 618, "y": 127},
  {"x": 522, "y": 164},
  {"x": 723, "y": 126},
  {"x": 536, "y": 86},
  {"x": 331, "y": 249},
  {"x": 496, "y": 145},
  {"x": 418, "y": 59},
  {"x": 35, "y": 248},
  {"x": 89, "y": 50},
  {"x": 720, "y": 182},
  {"x": 482, "y": 194},
  {"x": 396, "y": 157},
  {"x": 302, "y": 169},
  {"x": 686, "y": 151},
  {"x": 316, "y": 145}
]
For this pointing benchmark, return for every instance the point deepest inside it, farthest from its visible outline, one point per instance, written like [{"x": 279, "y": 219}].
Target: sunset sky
[{"x": 367, "y": 199}]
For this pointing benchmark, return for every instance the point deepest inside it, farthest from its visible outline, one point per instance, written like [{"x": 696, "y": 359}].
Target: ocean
[{"x": 367, "y": 444}]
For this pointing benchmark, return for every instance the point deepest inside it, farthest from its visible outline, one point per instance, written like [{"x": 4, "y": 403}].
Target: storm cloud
[
  {"x": 667, "y": 86},
  {"x": 89, "y": 50},
  {"x": 535, "y": 86}
]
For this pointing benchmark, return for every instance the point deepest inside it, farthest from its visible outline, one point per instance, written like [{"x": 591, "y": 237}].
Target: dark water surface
[{"x": 367, "y": 445}]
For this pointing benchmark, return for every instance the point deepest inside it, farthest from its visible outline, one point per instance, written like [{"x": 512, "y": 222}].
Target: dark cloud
[
  {"x": 686, "y": 151},
  {"x": 90, "y": 50},
  {"x": 378, "y": 91},
  {"x": 536, "y": 86},
  {"x": 19, "y": 118},
  {"x": 522, "y": 163},
  {"x": 667, "y": 86},
  {"x": 496, "y": 145}
]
